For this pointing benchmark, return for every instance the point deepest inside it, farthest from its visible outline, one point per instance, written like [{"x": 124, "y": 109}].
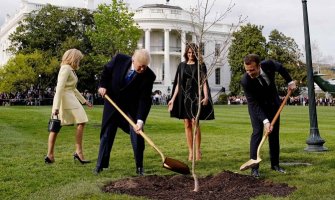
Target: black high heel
[
  {"x": 47, "y": 160},
  {"x": 76, "y": 157}
]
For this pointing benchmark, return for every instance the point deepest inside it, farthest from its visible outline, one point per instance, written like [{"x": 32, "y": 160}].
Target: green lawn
[{"x": 225, "y": 146}]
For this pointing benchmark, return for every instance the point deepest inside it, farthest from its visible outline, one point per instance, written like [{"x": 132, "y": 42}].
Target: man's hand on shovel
[
  {"x": 268, "y": 128},
  {"x": 102, "y": 91},
  {"x": 139, "y": 126}
]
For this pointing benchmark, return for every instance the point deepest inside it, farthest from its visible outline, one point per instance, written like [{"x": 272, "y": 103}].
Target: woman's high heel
[
  {"x": 76, "y": 157},
  {"x": 47, "y": 160}
]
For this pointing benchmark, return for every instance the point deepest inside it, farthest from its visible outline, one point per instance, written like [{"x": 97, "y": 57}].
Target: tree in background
[
  {"x": 51, "y": 30},
  {"x": 248, "y": 39},
  {"x": 115, "y": 31},
  {"x": 25, "y": 70},
  {"x": 321, "y": 63},
  {"x": 285, "y": 50}
]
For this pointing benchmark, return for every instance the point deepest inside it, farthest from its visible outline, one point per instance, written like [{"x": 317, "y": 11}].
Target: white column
[
  {"x": 147, "y": 39},
  {"x": 167, "y": 75},
  {"x": 183, "y": 45}
]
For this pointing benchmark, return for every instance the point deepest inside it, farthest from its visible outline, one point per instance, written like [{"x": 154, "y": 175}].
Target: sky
[{"x": 284, "y": 15}]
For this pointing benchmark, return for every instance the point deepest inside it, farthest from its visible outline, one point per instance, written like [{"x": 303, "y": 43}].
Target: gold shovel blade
[
  {"x": 250, "y": 164},
  {"x": 176, "y": 166}
]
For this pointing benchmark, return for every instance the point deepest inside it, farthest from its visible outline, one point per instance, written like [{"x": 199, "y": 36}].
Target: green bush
[{"x": 222, "y": 99}]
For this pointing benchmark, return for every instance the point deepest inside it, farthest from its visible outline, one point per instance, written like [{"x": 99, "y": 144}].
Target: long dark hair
[{"x": 195, "y": 50}]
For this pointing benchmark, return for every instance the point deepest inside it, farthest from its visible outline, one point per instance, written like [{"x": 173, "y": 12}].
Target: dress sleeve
[
  {"x": 79, "y": 96},
  {"x": 63, "y": 75}
]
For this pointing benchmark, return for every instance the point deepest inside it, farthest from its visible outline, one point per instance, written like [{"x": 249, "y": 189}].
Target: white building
[
  {"x": 10, "y": 24},
  {"x": 166, "y": 30}
]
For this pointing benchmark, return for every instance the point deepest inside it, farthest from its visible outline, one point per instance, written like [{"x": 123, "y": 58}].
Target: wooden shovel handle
[
  {"x": 272, "y": 123},
  {"x": 151, "y": 143},
  {"x": 281, "y": 108}
]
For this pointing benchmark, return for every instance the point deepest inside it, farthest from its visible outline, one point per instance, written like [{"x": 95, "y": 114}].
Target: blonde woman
[{"x": 67, "y": 104}]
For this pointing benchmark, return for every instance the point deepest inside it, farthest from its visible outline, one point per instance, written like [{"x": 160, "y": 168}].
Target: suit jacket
[
  {"x": 67, "y": 95},
  {"x": 134, "y": 98},
  {"x": 264, "y": 102}
]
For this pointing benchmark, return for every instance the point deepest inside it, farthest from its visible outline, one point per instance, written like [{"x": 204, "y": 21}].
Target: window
[
  {"x": 178, "y": 12},
  {"x": 163, "y": 43},
  {"x": 217, "y": 76},
  {"x": 156, "y": 10},
  {"x": 163, "y": 72},
  {"x": 217, "y": 49},
  {"x": 202, "y": 48}
]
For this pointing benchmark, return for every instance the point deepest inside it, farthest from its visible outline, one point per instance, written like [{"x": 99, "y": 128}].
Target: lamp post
[
  {"x": 39, "y": 89},
  {"x": 39, "y": 80},
  {"x": 314, "y": 142}
]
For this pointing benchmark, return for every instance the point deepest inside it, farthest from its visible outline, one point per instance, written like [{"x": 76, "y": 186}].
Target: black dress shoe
[
  {"x": 76, "y": 157},
  {"x": 255, "y": 173},
  {"x": 97, "y": 170},
  {"x": 278, "y": 169},
  {"x": 140, "y": 171},
  {"x": 47, "y": 160}
]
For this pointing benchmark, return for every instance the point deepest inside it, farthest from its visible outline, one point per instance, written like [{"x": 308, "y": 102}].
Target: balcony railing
[{"x": 161, "y": 48}]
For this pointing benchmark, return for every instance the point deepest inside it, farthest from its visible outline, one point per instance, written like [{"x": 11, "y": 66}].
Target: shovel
[
  {"x": 252, "y": 163},
  {"x": 168, "y": 163}
]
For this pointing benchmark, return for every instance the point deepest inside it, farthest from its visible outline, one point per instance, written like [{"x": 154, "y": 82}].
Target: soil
[{"x": 225, "y": 185}]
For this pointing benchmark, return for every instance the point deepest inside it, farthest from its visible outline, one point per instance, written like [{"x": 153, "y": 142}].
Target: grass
[{"x": 225, "y": 146}]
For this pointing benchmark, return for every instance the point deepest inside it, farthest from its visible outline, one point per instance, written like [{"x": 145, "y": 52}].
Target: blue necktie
[{"x": 130, "y": 76}]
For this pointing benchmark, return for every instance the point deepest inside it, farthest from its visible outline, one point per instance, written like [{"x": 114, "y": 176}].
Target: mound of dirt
[{"x": 226, "y": 185}]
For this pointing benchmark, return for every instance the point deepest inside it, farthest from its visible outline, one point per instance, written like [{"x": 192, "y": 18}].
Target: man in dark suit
[
  {"x": 128, "y": 81},
  {"x": 263, "y": 102}
]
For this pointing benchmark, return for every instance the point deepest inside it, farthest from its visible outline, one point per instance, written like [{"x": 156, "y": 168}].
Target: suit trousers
[
  {"x": 107, "y": 137},
  {"x": 273, "y": 139}
]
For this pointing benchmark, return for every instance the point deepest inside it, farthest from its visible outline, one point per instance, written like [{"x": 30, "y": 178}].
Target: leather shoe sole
[{"x": 278, "y": 169}]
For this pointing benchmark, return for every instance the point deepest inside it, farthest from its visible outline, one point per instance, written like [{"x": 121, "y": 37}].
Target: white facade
[
  {"x": 166, "y": 30},
  {"x": 11, "y": 23}
]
